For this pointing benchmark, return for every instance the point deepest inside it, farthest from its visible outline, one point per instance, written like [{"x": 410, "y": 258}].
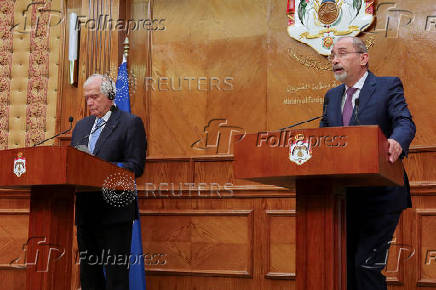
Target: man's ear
[{"x": 364, "y": 59}]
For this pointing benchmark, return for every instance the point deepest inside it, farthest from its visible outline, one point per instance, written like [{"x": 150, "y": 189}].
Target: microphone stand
[
  {"x": 302, "y": 122},
  {"x": 64, "y": 132}
]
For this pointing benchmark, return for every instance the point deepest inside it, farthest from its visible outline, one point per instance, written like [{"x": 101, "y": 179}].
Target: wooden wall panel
[
  {"x": 297, "y": 72},
  {"x": 14, "y": 220},
  {"x": 222, "y": 231},
  {"x": 269, "y": 70},
  {"x": 274, "y": 224},
  {"x": 281, "y": 252},
  {"x": 217, "y": 243},
  {"x": 420, "y": 167},
  {"x": 208, "y": 55},
  {"x": 193, "y": 232},
  {"x": 13, "y": 237},
  {"x": 247, "y": 41},
  {"x": 70, "y": 103},
  {"x": 13, "y": 279},
  {"x": 426, "y": 254}
]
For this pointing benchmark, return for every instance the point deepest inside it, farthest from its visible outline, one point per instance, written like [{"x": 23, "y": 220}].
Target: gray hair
[
  {"x": 358, "y": 43},
  {"x": 107, "y": 86}
]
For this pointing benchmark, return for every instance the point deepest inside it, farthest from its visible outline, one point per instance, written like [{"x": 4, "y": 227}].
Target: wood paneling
[
  {"x": 14, "y": 221},
  {"x": 426, "y": 221},
  {"x": 280, "y": 259},
  {"x": 13, "y": 279},
  {"x": 202, "y": 44},
  {"x": 208, "y": 235},
  {"x": 203, "y": 242},
  {"x": 13, "y": 237}
]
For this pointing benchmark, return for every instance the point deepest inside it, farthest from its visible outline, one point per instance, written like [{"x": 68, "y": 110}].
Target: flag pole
[{"x": 126, "y": 47}]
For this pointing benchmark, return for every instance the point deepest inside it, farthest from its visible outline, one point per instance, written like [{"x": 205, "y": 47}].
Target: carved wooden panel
[
  {"x": 281, "y": 251},
  {"x": 426, "y": 223},
  {"x": 13, "y": 237},
  {"x": 171, "y": 171},
  {"x": 203, "y": 242},
  {"x": 14, "y": 220}
]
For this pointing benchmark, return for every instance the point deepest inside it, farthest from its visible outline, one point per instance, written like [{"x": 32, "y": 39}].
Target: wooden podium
[
  {"x": 53, "y": 174},
  {"x": 325, "y": 161}
]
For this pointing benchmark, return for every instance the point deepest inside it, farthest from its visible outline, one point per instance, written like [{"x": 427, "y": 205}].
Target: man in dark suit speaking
[
  {"x": 372, "y": 212},
  {"x": 104, "y": 229}
]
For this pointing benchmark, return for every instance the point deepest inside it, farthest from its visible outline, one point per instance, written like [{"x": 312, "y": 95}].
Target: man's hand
[{"x": 394, "y": 150}]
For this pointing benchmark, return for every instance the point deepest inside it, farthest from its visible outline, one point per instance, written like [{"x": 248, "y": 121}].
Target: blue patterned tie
[
  {"x": 348, "y": 107},
  {"x": 94, "y": 136}
]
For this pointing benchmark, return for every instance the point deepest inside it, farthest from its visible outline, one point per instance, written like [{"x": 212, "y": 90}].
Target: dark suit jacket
[
  {"x": 122, "y": 140},
  {"x": 381, "y": 102}
]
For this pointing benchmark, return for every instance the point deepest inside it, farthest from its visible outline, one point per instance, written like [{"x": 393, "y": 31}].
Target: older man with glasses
[{"x": 372, "y": 212}]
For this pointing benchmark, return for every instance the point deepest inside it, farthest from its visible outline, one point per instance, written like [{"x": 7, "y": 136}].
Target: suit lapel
[
  {"x": 367, "y": 91},
  {"x": 110, "y": 126},
  {"x": 337, "y": 103},
  {"x": 87, "y": 130}
]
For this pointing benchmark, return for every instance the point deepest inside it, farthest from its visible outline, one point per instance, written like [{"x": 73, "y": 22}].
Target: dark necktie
[{"x": 348, "y": 107}]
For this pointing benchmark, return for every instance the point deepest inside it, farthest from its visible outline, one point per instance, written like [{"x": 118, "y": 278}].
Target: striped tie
[{"x": 94, "y": 136}]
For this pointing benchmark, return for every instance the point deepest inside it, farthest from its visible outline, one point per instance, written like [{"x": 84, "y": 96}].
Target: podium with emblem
[
  {"x": 52, "y": 174},
  {"x": 320, "y": 163}
]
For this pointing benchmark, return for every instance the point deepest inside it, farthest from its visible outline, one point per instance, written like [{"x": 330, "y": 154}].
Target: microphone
[
  {"x": 356, "y": 107},
  {"x": 302, "y": 122},
  {"x": 324, "y": 110},
  {"x": 324, "y": 117},
  {"x": 70, "y": 119}
]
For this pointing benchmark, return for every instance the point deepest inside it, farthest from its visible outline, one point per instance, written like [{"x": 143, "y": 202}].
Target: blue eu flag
[{"x": 137, "y": 270}]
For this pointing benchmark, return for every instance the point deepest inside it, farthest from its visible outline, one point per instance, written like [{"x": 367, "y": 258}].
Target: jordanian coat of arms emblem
[
  {"x": 19, "y": 165},
  {"x": 299, "y": 149},
  {"x": 318, "y": 22}
]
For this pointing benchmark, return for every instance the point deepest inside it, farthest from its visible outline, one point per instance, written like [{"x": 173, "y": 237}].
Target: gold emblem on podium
[
  {"x": 19, "y": 165},
  {"x": 299, "y": 149}
]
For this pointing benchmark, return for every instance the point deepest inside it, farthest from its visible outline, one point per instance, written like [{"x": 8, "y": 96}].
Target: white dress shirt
[
  {"x": 105, "y": 119},
  {"x": 358, "y": 85}
]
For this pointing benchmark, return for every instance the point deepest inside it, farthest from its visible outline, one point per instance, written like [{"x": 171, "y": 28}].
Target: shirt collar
[
  {"x": 106, "y": 116},
  {"x": 359, "y": 84}
]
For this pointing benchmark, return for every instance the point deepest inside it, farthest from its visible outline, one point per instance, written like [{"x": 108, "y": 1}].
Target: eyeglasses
[{"x": 340, "y": 55}]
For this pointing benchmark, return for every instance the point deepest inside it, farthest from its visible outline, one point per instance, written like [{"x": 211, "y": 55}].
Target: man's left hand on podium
[{"x": 394, "y": 150}]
